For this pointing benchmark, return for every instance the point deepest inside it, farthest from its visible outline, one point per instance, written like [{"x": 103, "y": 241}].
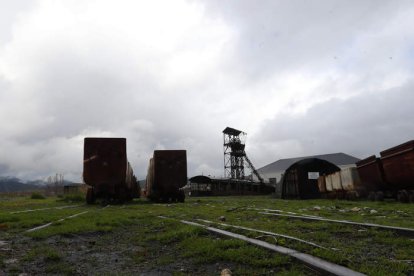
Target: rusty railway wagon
[
  {"x": 398, "y": 166},
  {"x": 167, "y": 174},
  {"x": 107, "y": 171},
  {"x": 392, "y": 175},
  {"x": 388, "y": 176}
]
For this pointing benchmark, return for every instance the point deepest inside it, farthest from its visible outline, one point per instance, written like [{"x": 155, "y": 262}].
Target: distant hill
[
  {"x": 13, "y": 184},
  {"x": 141, "y": 183}
]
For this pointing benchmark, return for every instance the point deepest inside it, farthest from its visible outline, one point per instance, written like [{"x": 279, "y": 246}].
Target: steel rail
[
  {"x": 42, "y": 209},
  {"x": 50, "y": 223},
  {"x": 402, "y": 229},
  {"x": 315, "y": 262},
  {"x": 282, "y": 211},
  {"x": 265, "y": 232}
]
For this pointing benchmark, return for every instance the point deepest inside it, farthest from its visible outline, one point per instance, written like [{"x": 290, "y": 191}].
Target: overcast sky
[{"x": 300, "y": 77}]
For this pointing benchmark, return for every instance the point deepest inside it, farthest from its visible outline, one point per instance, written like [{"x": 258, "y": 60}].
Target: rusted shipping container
[
  {"x": 398, "y": 165},
  {"x": 167, "y": 173},
  {"x": 107, "y": 171},
  {"x": 371, "y": 173}
]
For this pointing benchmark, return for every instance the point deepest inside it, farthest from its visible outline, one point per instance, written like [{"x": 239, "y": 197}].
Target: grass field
[{"x": 132, "y": 239}]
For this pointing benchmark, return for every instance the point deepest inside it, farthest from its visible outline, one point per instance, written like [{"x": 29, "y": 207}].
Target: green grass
[
  {"x": 74, "y": 197},
  {"x": 46, "y": 253},
  {"x": 368, "y": 250}
]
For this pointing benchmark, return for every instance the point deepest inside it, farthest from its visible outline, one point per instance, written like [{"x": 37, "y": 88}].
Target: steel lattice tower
[{"x": 234, "y": 144}]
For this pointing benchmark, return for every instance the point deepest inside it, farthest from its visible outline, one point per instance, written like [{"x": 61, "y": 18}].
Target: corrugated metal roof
[
  {"x": 232, "y": 131},
  {"x": 338, "y": 159}
]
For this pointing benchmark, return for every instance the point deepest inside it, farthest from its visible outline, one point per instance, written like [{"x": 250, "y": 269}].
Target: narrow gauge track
[
  {"x": 388, "y": 227},
  {"x": 62, "y": 219},
  {"x": 309, "y": 260},
  {"x": 50, "y": 223},
  {"x": 264, "y": 232},
  {"x": 43, "y": 209},
  {"x": 281, "y": 211}
]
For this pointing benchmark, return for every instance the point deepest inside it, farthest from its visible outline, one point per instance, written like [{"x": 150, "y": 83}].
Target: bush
[
  {"x": 37, "y": 196},
  {"x": 78, "y": 197}
]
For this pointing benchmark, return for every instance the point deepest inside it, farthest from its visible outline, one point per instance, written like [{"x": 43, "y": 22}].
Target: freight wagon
[
  {"x": 372, "y": 177},
  {"x": 107, "y": 171},
  {"x": 390, "y": 176},
  {"x": 398, "y": 166},
  {"x": 342, "y": 184},
  {"x": 167, "y": 174}
]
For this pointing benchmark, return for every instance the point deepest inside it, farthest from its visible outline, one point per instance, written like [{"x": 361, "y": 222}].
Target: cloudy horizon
[{"x": 299, "y": 77}]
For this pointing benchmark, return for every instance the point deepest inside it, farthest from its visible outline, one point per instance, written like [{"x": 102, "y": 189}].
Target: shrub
[
  {"x": 37, "y": 196},
  {"x": 78, "y": 197}
]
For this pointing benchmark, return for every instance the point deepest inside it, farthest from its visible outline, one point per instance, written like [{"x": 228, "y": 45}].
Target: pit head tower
[{"x": 234, "y": 143}]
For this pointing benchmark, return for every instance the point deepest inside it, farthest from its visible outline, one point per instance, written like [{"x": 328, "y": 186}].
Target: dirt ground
[{"x": 119, "y": 252}]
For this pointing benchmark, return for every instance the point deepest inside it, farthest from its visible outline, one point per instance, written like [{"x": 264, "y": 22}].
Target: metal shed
[{"x": 300, "y": 180}]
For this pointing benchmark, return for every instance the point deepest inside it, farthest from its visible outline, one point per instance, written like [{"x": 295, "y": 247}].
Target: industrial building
[
  {"x": 278, "y": 168},
  {"x": 300, "y": 180},
  {"x": 202, "y": 185}
]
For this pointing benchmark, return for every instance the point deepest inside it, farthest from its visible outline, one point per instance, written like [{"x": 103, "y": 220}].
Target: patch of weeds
[
  {"x": 386, "y": 268},
  {"x": 336, "y": 257},
  {"x": 44, "y": 253},
  {"x": 294, "y": 271},
  {"x": 37, "y": 196},
  {"x": 51, "y": 255},
  {"x": 8, "y": 218},
  {"x": 209, "y": 250},
  {"x": 110, "y": 224},
  {"x": 164, "y": 260},
  {"x": 14, "y": 269},
  {"x": 179, "y": 273},
  {"x": 60, "y": 268},
  {"x": 178, "y": 233},
  {"x": 138, "y": 256},
  {"x": 32, "y": 254},
  {"x": 78, "y": 197}
]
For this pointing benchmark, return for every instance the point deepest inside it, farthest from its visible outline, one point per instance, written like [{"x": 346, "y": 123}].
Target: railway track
[
  {"x": 264, "y": 232},
  {"x": 282, "y": 213},
  {"x": 62, "y": 219},
  {"x": 50, "y": 223},
  {"x": 313, "y": 262},
  {"x": 387, "y": 227},
  {"x": 43, "y": 209}
]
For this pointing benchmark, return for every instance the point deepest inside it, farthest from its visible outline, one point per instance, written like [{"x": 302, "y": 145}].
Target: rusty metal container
[
  {"x": 107, "y": 171},
  {"x": 398, "y": 166},
  {"x": 167, "y": 173},
  {"x": 371, "y": 173}
]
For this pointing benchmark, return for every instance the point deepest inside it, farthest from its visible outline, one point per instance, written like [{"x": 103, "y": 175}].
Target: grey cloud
[
  {"x": 276, "y": 36},
  {"x": 229, "y": 68},
  {"x": 362, "y": 125}
]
